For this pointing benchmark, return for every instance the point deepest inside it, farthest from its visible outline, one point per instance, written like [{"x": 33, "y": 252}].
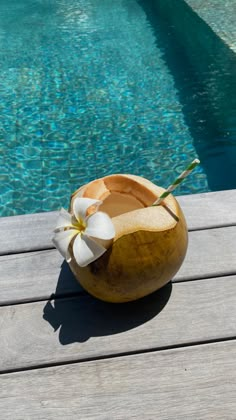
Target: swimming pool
[{"x": 90, "y": 88}]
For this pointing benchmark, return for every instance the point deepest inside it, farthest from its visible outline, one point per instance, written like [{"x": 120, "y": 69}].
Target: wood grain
[
  {"x": 65, "y": 330},
  {"x": 28, "y": 232},
  {"x": 38, "y": 275},
  {"x": 162, "y": 382},
  {"x": 209, "y": 210},
  {"x": 35, "y": 276},
  {"x": 34, "y": 231},
  {"x": 210, "y": 253},
  {"x": 193, "y": 383}
]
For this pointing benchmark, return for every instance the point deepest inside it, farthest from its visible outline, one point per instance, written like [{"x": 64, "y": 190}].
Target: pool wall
[
  {"x": 215, "y": 65},
  {"x": 212, "y": 53}
]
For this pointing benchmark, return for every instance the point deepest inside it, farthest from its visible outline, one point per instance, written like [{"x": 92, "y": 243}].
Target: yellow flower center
[{"x": 80, "y": 225}]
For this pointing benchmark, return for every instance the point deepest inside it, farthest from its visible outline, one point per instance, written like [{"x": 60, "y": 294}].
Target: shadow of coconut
[{"x": 82, "y": 316}]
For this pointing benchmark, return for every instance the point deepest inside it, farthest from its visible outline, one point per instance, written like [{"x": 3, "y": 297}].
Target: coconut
[{"x": 150, "y": 242}]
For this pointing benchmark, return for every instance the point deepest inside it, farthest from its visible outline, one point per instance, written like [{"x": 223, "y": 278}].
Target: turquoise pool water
[{"x": 89, "y": 88}]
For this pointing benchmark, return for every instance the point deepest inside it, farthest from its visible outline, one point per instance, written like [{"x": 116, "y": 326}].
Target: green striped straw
[{"x": 178, "y": 180}]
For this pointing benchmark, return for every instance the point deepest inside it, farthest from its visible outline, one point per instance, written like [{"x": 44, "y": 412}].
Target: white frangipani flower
[{"x": 83, "y": 229}]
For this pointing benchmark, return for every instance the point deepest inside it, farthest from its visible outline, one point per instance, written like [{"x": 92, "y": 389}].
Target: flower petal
[
  {"x": 62, "y": 241},
  {"x": 64, "y": 220},
  {"x": 86, "y": 250},
  {"x": 99, "y": 225},
  {"x": 80, "y": 206}
]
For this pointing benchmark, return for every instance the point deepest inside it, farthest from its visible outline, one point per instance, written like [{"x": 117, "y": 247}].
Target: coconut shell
[{"x": 149, "y": 245}]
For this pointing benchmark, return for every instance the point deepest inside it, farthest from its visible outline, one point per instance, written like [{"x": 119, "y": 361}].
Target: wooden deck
[{"x": 169, "y": 356}]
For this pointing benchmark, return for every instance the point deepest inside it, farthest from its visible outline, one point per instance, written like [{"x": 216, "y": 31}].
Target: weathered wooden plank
[
  {"x": 37, "y": 275},
  {"x": 193, "y": 383},
  {"x": 209, "y": 210},
  {"x": 87, "y": 328},
  {"x": 210, "y": 253},
  {"x": 33, "y": 232},
  {"x": 27, "y": 232}
]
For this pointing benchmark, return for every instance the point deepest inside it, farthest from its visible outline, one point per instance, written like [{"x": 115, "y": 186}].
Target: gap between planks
[
  {"x": 34, "y": 231},
  {"x": 119, "y": 355},
  {"x": 84, "y": 328},
  {"x": 38, "y": 275},
  {"x": 84, "y": 293},
  {"x": 197, "y": 382},
  {"x": 39, "y": 248}
]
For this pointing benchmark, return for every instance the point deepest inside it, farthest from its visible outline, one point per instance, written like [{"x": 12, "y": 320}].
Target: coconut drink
[{"x": 123, "y": 237}]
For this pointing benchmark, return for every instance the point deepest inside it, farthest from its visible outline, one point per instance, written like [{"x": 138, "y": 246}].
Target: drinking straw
[{"x": 178, "y": 180}]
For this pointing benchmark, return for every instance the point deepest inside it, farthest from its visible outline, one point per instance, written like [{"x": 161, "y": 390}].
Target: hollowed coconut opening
[
  {"x": 117, "y": 203},
  {"x": 120, "y": 194}
]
